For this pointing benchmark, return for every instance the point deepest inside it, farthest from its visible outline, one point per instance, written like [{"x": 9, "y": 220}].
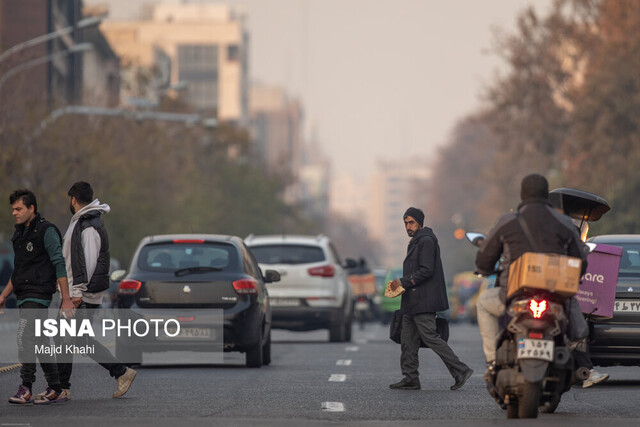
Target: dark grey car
[
  {"x": 616, "y": 341},
  {"x": 199, "y": 272}
]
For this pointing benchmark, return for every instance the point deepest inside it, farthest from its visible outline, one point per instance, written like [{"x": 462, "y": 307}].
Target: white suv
[{"x": 313, "y": 291}]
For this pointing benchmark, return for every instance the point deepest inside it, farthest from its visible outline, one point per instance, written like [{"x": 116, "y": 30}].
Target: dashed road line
[
  {"x": 338, "y": 378},
  {"x": 332, "y": 406},
  {"x": 352, "y": 348},
  {"x": 344, "y": 362}
]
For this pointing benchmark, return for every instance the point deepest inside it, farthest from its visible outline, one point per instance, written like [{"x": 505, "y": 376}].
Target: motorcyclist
[{"x": 551, "y": 231}]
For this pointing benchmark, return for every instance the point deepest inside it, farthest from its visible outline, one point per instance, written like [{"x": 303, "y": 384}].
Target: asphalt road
[{"x": 313, "y": 382}]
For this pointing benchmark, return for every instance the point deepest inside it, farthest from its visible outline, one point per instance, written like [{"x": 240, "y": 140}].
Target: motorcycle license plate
[{"x": 535, "y": 349}]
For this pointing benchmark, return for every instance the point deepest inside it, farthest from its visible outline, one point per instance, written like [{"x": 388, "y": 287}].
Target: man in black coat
[{"x": 425, "y": 294}]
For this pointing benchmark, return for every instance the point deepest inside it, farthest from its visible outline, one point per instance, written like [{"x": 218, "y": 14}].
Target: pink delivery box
[{"x": 597, "y": 292}]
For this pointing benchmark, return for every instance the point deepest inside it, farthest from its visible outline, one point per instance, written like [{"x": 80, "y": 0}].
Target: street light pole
[
  {"x": 188, "y": 119},
  {"x": 76, "y": 48},
  {"x": 83, "y": 23}
]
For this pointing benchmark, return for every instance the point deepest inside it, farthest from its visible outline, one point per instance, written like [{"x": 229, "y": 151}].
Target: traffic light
[{"x": 459, "y": 233}]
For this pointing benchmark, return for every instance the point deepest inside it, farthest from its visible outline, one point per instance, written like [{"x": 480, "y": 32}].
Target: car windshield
[
  {"x": 630, "y": 260},
  {"x": 288, "y": 254},
  {"x": 170, "y": 257}
]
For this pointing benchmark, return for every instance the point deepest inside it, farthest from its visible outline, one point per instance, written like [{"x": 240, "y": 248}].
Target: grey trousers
[{"x": 423, "y": 326}]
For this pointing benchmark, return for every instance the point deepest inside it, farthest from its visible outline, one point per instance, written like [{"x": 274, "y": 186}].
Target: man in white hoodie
[{"x": 86, "y": 251}]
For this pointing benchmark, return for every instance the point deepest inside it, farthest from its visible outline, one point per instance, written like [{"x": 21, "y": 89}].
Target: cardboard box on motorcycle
[{"x": 555, "y": 273}]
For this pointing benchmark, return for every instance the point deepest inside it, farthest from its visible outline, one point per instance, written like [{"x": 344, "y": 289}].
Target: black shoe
[
  {"x": 406, "y": 385},
  {"x": 462, "y": 379}
]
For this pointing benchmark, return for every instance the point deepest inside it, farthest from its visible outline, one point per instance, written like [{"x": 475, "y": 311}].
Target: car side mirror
[
  {"x": 476, "y": 239},
  {"x": 271, "y": 276},
  {"x": 350, "y": 263},
  {"x": 117, "y": 275}
]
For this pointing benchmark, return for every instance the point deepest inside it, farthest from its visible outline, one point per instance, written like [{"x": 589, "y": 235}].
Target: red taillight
[
  {"x": 324, "y": 271},
  {"x": 129, "y": 287},
  {"x": 186, "y": 318},
  {"x": 536, "y": 335},
  {"x": 245, "y": 286},
  {"x": 188, "y": 240},
  {"x": 537, "y": 308}
]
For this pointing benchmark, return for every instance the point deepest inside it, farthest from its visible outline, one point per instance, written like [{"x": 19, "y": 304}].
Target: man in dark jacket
[
  {"x": 425, "y": 294},
  {"x": 38, "y": 267},
  {"x": 552, "y": 232}
]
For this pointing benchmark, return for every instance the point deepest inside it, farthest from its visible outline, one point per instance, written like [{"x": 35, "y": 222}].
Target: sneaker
[
  {"x": 595, "y": 377},
  {"x": 462, "y": 379},
  {"x": 124, "y": 382},
  {"x": 22, "y": 396},
  {"x": 406, "y": 385},
  {"x": 64, "y": 396},
  {"x": 49, "y": 396}
]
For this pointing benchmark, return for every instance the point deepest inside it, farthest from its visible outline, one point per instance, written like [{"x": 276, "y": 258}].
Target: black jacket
[
  {"x": 100, "y": 279},
  {"x": 553, "y": 233},
  {"x": 423, "y": 276},
  {"x": 34, "y": 275}
]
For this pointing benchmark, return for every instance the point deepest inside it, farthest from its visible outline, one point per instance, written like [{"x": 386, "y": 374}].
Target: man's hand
[
  {"x": 67, "y": 308},
  {"x": 3, "y": 300},
  {"x": 76, "y": 301},
  {"x": 394, "y": 284}
]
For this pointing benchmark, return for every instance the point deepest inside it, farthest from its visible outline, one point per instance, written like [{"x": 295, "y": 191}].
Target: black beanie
[
  {"x": 416, "y": 214},
  {"x": 534, "y": 186}
]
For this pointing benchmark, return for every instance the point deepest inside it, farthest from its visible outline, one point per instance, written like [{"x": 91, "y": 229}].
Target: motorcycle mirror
[
  {"x": 591, "y": 247},
  {"x": 475, "y": 238}
]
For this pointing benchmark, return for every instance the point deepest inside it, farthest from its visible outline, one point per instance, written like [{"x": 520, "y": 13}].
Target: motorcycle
[{"x": 534, "y": 365}]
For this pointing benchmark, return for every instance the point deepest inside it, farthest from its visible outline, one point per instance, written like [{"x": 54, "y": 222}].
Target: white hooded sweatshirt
[{"x": 91, "y": 243}]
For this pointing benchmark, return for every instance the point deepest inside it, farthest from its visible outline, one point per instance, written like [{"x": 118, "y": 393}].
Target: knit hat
[
  {"x": 416, "y": 214},
  {"x": 534, "y": 186}
]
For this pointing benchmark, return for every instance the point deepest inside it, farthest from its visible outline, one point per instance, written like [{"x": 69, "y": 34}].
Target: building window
[
  {"x": 198, "y": 66},
  {"x": 233, "y": 52}
]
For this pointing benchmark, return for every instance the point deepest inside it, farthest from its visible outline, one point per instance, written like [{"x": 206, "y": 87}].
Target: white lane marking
[
  {"x": 333, "y": 406},
  {"x": 352, "y": 348},
  {"x": 338, "y": 377},
  {"x": 344, "y": 362}
]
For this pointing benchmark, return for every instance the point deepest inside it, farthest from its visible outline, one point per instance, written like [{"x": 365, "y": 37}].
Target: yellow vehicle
[{"x": 464, "y": 293}]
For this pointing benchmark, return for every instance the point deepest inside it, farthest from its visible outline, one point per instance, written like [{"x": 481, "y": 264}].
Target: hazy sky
[{"x": 377, "y": 78}]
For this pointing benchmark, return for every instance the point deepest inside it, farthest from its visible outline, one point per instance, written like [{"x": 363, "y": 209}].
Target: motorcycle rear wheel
[{"x": 529, "y": 400}]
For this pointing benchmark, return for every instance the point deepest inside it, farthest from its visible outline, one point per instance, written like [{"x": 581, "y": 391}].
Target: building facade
[
  {"x": 203, "y": 47},
  {"x": 57, "y": 77}
]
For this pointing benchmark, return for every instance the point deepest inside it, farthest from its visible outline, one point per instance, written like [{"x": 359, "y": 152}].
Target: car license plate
[
  {"x": 190, "y": 333},
  {"x": 535, "y": 349},
  {"x": 627, "y": 306},
  {"x": 285, "y": 302}
]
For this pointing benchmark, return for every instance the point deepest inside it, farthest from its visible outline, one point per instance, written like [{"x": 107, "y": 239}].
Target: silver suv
[{"x": 313, "y": 292}]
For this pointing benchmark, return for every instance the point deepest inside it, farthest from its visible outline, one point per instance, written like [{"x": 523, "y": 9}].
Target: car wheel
[
  {"x": 348, "y": 326},
  {"x": 255, "y": 356},
  {"x": 266, "y": 351},
  {"x": 338, "y": 331}
]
